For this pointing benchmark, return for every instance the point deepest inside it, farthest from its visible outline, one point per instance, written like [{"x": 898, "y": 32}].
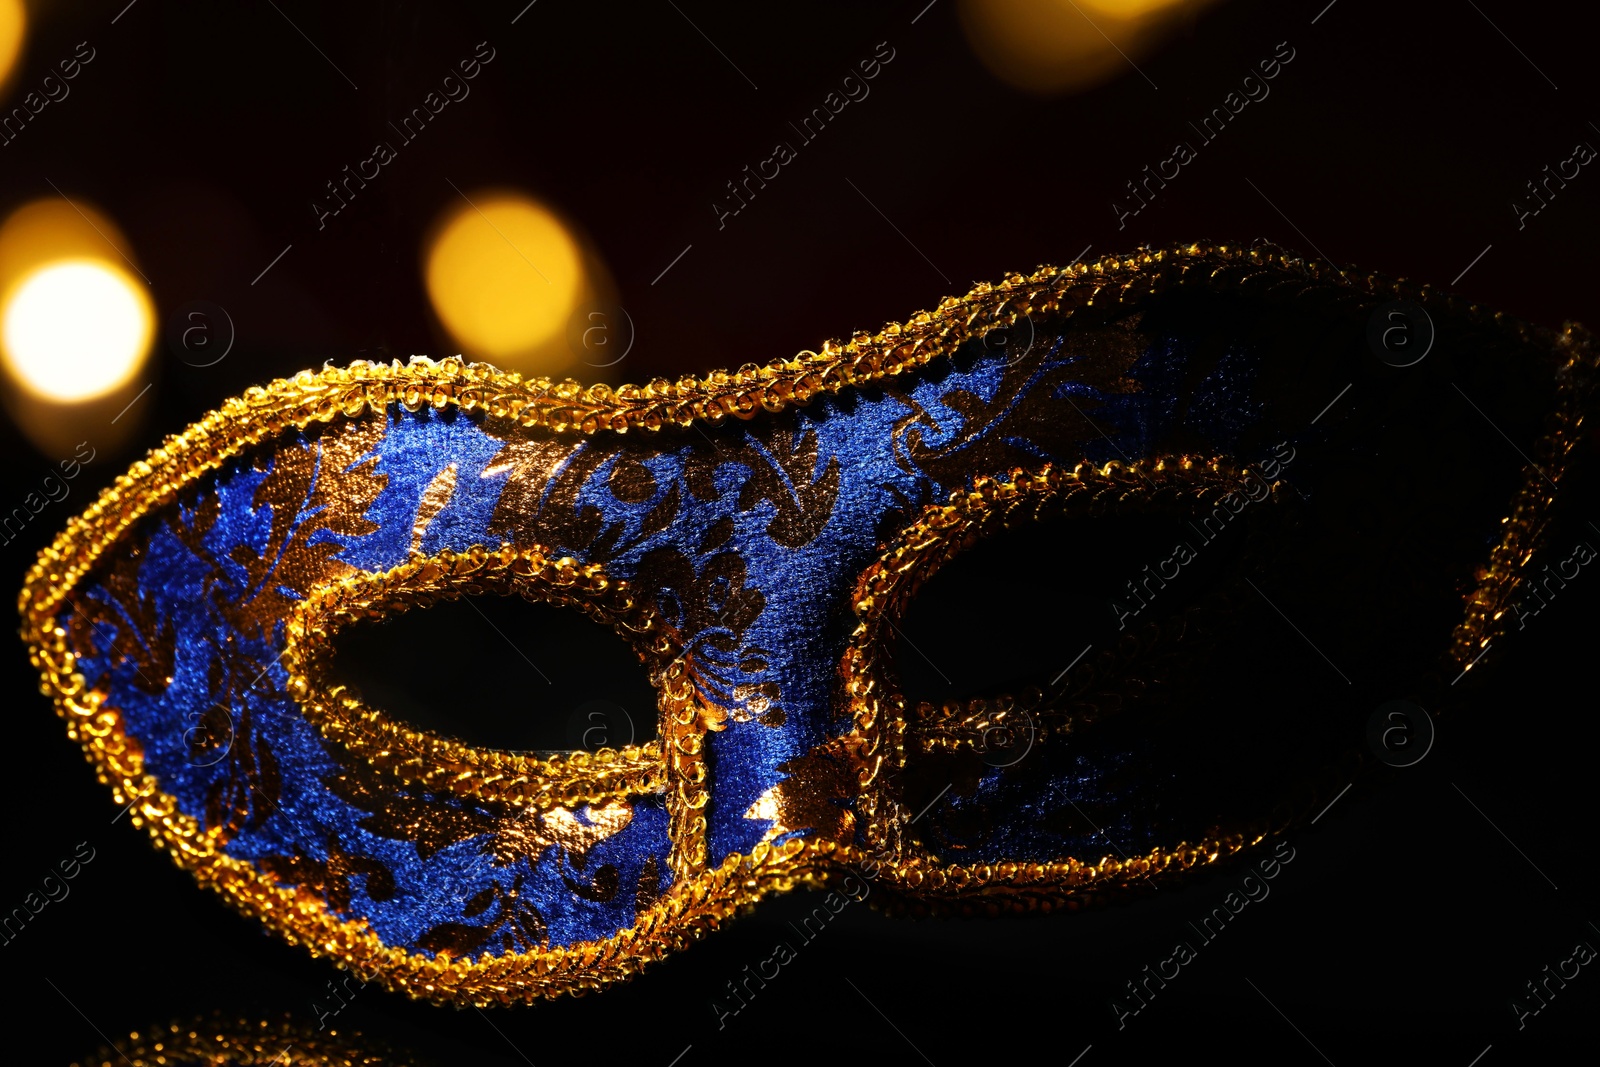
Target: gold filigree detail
[
  {"x": 434, "y": 499},
  {"x": 815, "y": 794},
  {"x": 534, "y": 831},
  {"x": 326, "y": 486}
]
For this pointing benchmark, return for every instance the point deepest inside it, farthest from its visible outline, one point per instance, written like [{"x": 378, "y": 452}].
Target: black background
[{"x": 1397, "y": 140}]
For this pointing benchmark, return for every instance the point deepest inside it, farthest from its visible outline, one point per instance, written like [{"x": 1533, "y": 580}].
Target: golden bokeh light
[
  {"x": 76, "y": 329},
  {"x": 13, "y": 29},
  {"x": 76, "y": 324},
  {"x": 506, "y": 275},
  {"x": 1056, "y": 46},
  {"x": 1125, "y": 9}
]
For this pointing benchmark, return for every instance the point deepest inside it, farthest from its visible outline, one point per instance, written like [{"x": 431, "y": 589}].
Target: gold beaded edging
[
  {"x": 998, "y": 720},
  {"x": 444, "y": 764},
  {"x": 674, "y": 764},
  {"x": 701, "y": 898},
  {"x": 683, "y": 915},
  {"x": 696, "y": 904},
  {"x": 940, "y": 532},
  {"x": 509, "y": 400},
  {"x": 242, "y": 1043},
  {"x": 1531, "y": 508}
]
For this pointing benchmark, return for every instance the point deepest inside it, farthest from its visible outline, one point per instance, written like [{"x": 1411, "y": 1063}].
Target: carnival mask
[{"x": 1072, "y": 584}]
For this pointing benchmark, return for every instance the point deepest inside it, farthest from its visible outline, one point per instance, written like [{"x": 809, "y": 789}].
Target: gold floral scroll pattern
[
  {"x": 709, "y": 609},
  {"x": 322, "y": 484},
  {"x": 545, "y": 477}
]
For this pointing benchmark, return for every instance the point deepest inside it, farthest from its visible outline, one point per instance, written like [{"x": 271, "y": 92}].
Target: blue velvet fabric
[{"x": 970, "y": 412}]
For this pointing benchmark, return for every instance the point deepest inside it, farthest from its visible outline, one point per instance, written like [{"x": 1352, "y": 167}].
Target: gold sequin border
[
  {"x": 246, "y": 1043},
  {"x": 508, "y": 400},
  {"x": 444, "y": 764},
  {"x": 876, "y": 706},
  {"x": 698, "y": 901},
  {"x": 674, "y": 764},
  {"x": 1531, "y": 509}
]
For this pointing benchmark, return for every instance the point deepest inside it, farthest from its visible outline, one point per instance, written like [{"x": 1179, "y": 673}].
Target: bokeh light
[
  {"x": 75, "y": 330},
  {"x": 76, "y": 324},
  {"x": 1056, "y": 46},
  {"x": 506, "y": 275},
  {"x": 13, "y": 28},
  {"x": 1125, "y": 9}
]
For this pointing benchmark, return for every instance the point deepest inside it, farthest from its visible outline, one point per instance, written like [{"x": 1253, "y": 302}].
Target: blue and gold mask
[{"x": 1218, "y": 503}]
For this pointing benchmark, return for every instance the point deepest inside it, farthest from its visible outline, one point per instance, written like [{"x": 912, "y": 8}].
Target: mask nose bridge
[
  {"x": 799, "y": 636},
  {"x": 746, "y": 748}
]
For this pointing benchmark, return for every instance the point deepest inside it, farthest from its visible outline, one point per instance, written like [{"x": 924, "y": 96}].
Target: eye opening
[
  {"x": 438, "y": 762},
  {"x": 984, "y": 650},
  {"x": 938, "y": 535},
  {"x": 504, "y": 672}
]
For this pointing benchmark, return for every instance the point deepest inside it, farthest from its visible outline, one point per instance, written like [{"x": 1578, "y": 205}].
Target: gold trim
[
  {"x": 508, "y": 401},
  {"x": 1530, "y": 510},
  {"x": 941, "y": 532},
  {"x": 223, "y": 1042},
  {"x": 684, "y": 914},
  {"x": 444, "y": 764},
  {"x": 1074, "y": 699},
  {"x": 688, "y": 786}
]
